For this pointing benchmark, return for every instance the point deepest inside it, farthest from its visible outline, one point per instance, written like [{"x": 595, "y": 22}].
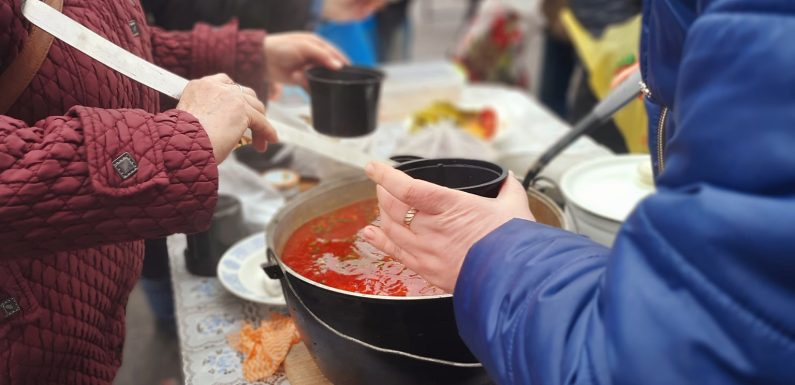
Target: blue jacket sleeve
[
  {"x": 525, "y": 301},
  {"x": 699, "y": 287}
]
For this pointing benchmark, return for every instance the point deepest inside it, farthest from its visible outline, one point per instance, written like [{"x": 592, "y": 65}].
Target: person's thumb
[{"x": 512, "y": 189}]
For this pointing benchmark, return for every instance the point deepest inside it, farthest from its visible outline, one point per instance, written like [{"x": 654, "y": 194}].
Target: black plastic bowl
[
  {"x": 345, "y": 102},
  {"x": 263, "y": 161},
  {"x": 473, "y": 176}
]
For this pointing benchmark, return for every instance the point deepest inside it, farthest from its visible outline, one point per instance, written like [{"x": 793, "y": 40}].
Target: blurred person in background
[
  {"x": 90, "y": 166},
  {"x": 273, "y": 15},
  {"x": 564, "y": 84},
  {"x": 697, "y": 287},
  {"x": 326, "y": 17},
  {"x": 393, "y": 32},
  {"x": 558, "y": 60}
]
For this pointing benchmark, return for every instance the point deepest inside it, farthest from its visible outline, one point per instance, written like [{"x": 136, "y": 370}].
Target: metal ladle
[{"x": 628, "y": 90}]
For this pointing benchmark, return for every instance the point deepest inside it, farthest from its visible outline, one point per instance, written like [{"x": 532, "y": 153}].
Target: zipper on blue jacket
[
  {"x": 660, "y": 129},
  {"x": 660, "y": 140}
]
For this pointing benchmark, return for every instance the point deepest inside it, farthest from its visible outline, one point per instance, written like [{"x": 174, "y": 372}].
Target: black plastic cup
[
  {"x": 345, "y": 102},
  {"x": 473, "y": 176},
  {"x": 205, "y": 249},
  {"x": 263, "y": 161}
]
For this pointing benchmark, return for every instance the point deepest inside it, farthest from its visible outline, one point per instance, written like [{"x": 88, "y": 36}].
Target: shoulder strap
[{"x": 21, "y": 71}]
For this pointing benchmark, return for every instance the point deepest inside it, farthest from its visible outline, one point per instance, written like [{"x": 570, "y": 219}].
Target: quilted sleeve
[
  {"x": 208, "y": 50},
  {"x": 97, "y": 176}
]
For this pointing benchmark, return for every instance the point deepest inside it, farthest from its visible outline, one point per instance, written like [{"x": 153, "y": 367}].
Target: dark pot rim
[
  {"x": 315, "y": 193},
  {"x": 501, "y": 172},
  {"x": 377, "y": 75}
]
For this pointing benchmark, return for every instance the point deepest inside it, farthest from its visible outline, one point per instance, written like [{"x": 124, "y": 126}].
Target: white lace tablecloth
[{"x": 206, "y": 314}]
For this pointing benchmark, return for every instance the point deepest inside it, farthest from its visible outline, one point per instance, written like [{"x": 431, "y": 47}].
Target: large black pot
[{"x": 368, "y": 339}]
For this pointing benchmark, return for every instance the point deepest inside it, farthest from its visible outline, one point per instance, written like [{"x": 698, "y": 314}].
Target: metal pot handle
[
  {"x": 534, "y": 184},
  {"x": 376, "y": 348},
  {"x": 272, "y": 268},
  {"x": 560, "y": 202}
]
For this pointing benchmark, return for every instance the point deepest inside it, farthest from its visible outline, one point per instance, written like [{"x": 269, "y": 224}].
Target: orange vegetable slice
[{"x": 265, "y": 348}]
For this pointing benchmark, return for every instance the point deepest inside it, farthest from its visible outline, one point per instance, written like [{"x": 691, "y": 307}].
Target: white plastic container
[{"x": 413, "y": 86}]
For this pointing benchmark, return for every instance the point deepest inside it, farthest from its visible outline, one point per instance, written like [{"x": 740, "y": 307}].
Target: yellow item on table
[
  {"x": 604, "y": 57},
  {"x": 481, "y": 123},
  {"x": 265, "y": 348}
]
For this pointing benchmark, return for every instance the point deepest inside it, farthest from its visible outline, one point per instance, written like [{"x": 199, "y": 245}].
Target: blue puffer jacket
[{"x": 699, "y": 287}]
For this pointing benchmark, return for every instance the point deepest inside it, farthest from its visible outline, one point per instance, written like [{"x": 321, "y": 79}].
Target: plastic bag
[
  {"x": 496, "y": 45},
  {"x": 604, "y": 58},
  {"x": 445, "y": 140}
]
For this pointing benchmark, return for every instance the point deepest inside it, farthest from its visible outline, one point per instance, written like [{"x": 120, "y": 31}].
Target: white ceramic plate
[{"x": 239, "y": 272}]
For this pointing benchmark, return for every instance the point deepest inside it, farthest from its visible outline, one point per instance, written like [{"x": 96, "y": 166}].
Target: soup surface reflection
[{"x": 330, "y": 250}]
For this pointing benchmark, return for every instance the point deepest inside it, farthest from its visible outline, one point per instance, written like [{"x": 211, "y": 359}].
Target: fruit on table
[{"x": 481, "y": 123}]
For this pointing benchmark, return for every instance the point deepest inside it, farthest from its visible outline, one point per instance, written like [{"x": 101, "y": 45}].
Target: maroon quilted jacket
[{"x": 70, "y": 225}]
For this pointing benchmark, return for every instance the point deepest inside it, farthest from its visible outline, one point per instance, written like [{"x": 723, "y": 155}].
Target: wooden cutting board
[{"x": 301, "y": 369}]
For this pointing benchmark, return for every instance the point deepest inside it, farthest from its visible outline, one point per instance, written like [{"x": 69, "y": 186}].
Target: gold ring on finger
[
  {"x": 409, "y": 217},
  {"x": 244, "y": 140}
]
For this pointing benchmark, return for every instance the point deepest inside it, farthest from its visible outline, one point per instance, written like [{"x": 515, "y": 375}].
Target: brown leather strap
[{"x": 21, "y": 71}]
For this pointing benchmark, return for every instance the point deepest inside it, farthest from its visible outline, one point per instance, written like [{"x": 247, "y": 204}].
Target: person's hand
[
  {"x": 288, "y": 55},
  {"x": 350, "y": 10},
  {"x": 275, "y": 91},
  {"x": 623, "y": 75},
  {"x": 226, "y": 110},
  {"x": 447, "y": 223}
]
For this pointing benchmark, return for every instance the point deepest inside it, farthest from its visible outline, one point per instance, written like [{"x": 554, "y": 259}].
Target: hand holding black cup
[{"x": 430, "y": 228}]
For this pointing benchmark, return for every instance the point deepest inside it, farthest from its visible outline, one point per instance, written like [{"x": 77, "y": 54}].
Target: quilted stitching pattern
[
  {"x": 59, "y": 185},
  {"x": 78, "y": 339},
  {"x": 69, "y": 224},
  {"x": 197, "y": 53},
  {"x": 250, "y": 61}
]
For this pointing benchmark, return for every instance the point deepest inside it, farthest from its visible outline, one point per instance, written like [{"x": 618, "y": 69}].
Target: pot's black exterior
[{"x": 421, "y": 327}]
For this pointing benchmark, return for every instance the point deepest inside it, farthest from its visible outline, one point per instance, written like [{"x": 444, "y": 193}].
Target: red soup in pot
[{"x": 329, "y": 250}]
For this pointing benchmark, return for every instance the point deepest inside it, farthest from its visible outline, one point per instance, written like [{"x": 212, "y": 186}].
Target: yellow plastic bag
[{"x": 604, "y": 58}]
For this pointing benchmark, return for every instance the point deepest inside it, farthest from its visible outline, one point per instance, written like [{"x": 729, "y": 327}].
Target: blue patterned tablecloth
[{"x": 206, "y": 314}]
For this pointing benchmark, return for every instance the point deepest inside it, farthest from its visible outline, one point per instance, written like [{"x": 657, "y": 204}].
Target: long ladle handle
[{"x": 627, "y": 91}]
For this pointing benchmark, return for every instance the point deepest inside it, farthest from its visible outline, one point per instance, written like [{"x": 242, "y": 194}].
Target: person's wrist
[
  {"x": 270, "y": 59},
  {"x": 185, "y": 124}
]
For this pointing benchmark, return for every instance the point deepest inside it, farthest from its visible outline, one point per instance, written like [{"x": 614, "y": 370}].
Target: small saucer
[{"x": 239, "y": 272}]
